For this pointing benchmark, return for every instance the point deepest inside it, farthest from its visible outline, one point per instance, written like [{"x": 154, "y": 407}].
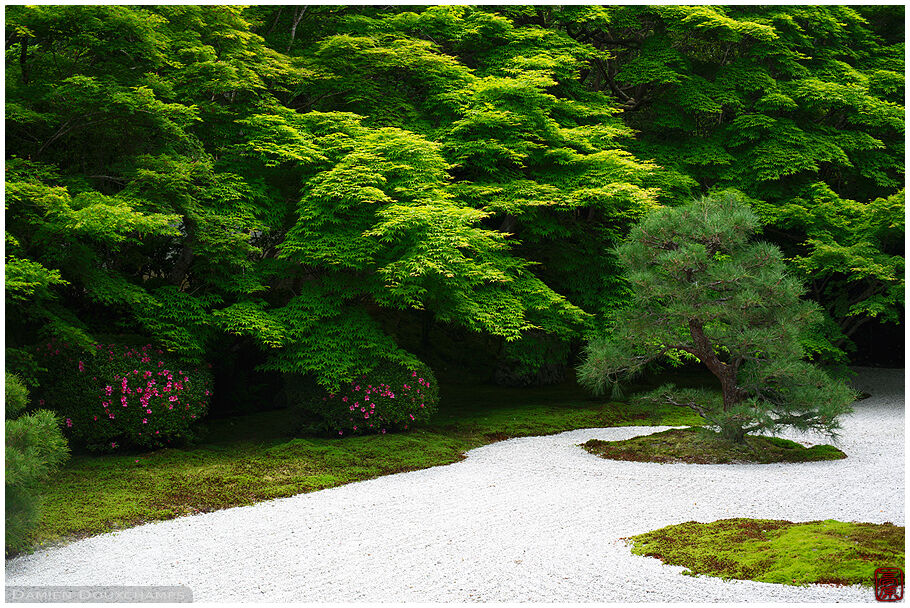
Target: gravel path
[{"x": 531, "y": 519}]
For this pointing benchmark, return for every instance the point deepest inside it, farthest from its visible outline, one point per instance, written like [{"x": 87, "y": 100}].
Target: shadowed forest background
[{"x": 293, "y": 195}]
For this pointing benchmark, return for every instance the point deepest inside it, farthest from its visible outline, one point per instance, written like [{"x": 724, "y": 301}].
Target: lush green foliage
[
  {"x": 782, "y": 102},
  {"x": 775, "y": 551},
  {"x": 121, "y": 396},
  {"x": 389, "y": 398},
  {"x": 35, "y": 448},
  {"x": 305, "y": 180},
  {"x": 703, "y": 289}
]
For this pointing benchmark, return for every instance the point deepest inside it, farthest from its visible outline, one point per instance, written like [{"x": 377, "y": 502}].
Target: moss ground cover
[
  {"x": 253, "y": 458},
  {"x": 702, "y": 446},
  {"x": 777, "y": 551}
]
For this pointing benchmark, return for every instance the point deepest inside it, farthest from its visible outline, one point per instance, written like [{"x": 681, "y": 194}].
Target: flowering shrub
[
  {"x": 122, "y": 396},
  {"x": 389, "y": 398}
]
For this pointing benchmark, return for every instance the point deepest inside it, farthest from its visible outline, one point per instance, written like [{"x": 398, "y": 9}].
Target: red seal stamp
[{"x": 889, "y": 584}]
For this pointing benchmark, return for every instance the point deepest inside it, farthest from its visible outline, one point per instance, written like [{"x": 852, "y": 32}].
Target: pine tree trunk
[{"x": 724, "y": 372}]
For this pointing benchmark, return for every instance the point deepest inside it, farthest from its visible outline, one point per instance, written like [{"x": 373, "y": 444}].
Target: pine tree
[{"x": 703, "y": 289}]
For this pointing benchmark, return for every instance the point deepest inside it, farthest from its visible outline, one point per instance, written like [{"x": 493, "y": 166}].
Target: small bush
[
  {"x": 122, "y": 396},
  {"x": 16, "y": 395},
  {"x": 35, "y": 447},
  {"x": 390, "y": 398}
]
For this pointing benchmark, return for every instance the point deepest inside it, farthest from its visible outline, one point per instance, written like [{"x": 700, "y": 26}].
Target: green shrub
[
  {"x": 35, "y": 447},
  {"x": 16, "y": 395},
  {"x": 392, "y": 397},
  {"x": 123, "y": 396}
]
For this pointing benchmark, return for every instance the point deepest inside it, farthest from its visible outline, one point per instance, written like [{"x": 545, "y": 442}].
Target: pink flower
[
  {"x": 145, "y": 421},
  {"x": 383, "y": 431},
  {"x": 40, "y": 401},
  {"x": 413, "y": 374},
  {"x": 69, "y": 423},
  {"x": 81, "y": 366},
  {"x": 113, "y": 444},
  {"x": 412, "y": 416}
]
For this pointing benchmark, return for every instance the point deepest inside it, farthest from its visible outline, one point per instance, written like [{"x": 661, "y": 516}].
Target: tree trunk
[
  {"x": 724, "y": 372},
  {"x": 425, "y": 333},
  {"x": 185, "y": 257}
]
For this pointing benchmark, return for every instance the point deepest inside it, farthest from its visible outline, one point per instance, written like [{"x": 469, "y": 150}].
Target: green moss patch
[
  {"x": 777, "y": 551},
  {"x": 702, "y": 446}
]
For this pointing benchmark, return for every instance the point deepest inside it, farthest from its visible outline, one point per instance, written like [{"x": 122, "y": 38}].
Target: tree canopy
[{"x": 307, "y": 184}]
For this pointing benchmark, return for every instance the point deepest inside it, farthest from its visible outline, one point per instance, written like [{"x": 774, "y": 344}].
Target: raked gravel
[{"x": 530, "y": 519}]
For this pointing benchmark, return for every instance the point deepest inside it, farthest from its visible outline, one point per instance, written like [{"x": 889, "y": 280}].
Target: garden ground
[
  {"x": 529, "y": 519},
  {"x": 248, "y": 459},
  {"x": 534, "y": 519}
]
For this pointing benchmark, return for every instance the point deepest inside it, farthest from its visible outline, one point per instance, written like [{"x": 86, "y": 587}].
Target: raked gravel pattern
[{"x": 530, "y": 519}]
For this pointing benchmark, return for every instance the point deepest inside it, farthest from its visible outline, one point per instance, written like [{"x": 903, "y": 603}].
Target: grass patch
[
  {"x": 702, "y": 446},
  {"x": 252, "y": 458},
  {"x": 776, "y": 551}
]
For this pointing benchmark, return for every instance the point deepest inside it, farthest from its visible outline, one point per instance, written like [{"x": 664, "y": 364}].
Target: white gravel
[{"x": 531, "y": 519}]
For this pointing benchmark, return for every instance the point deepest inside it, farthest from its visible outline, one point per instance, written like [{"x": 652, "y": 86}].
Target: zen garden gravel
[{"x": 530, "y": 519}]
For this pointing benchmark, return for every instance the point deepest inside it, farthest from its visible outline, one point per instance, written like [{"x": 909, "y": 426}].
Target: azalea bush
[
  {"x": 123, "y": 396},
  {"x": 390, "y": 398}
]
